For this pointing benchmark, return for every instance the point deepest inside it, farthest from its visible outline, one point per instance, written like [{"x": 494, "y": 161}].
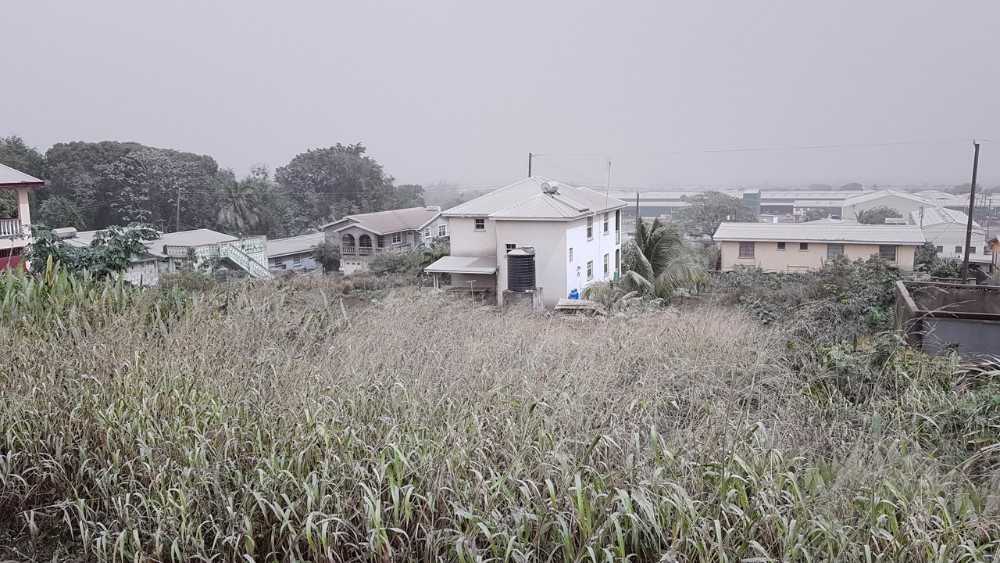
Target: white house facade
[{"x": 575, "y": 234}]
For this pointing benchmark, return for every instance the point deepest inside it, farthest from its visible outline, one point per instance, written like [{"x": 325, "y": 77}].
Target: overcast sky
[{"x": 462, "y": 91}]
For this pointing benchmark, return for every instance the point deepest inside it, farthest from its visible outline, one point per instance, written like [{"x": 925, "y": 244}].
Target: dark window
[
  {"x": 511, "y": 247},
  {"x": 781, "y": 246},
  {"x": 605, "y": 223},
  {"x": 746, "y": 250},
  {"x": 834, "y": 250},
  {"x": 607, "y": 264},
  {"x": 590, "y": 228},
  {"x": 590, "y": 270},
  {"x": 480, "y": 224},
  {"x": 887, "y": 252},
  {"x": 803, "y": 246},
  {"x": 958, "y": 250}
]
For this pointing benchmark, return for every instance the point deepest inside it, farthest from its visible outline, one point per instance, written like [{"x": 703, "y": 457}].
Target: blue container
[{"x": 574, "y": 294}]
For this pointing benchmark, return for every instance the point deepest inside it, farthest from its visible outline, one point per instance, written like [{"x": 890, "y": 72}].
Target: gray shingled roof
[
  {"x": 394, "y": 221},
  {"x": 524, "y": 200},
  {"x": 11, "y": 178},
  {"x": 293, "y": 245},
  {"x": 820, "y": 232}
]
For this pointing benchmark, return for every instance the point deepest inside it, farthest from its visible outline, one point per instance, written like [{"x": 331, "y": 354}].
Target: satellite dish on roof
[{"x": 550, "y": 188}]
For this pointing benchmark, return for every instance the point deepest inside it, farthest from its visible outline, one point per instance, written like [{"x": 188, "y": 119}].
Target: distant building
[
  {"x": 15, "y": 231},
  {"x": 574, "y": 233},
  {"x": 797, "y": 247},
  {"x": 197, "y": 249},
  {"x": 946, "y": 230},
  {"x": 361, "y": 237},
  {"x": 294, "y": 253}
]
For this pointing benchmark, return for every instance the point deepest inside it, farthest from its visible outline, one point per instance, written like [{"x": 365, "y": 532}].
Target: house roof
[
  {"x": 197, "y": 237},
  {"x": 525, "y": 200},
  {"x": 11, "y": 178},
  {"x": 463, "y": 265},
  {"x": 814, "y": 231},
  {"x": 871, "y": 196},
  {"x": 393, "y": 221},
  {"x": 940, "y": 215},
  {"x": 294, "y": 245}
]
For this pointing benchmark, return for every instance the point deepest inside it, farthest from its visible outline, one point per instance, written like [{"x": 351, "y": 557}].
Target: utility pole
[
  {"x": 178, "y": 208},
  {"x": 637, "y": 219},
  {"x": 972, "y": 207},
  {"x": 529, "y": 164}
]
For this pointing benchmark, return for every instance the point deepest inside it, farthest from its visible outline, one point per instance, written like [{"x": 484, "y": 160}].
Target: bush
[{"x": 189, "y": 280}]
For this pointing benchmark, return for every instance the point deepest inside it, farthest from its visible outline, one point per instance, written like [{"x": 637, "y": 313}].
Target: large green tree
[
  {"x": 706, "y": 211},
  {"x": 14, "y": 152},
  {"x": 240, "y": 207},
  {"x": 340, "y": 180},
  {"x": 110, "y": 252}
]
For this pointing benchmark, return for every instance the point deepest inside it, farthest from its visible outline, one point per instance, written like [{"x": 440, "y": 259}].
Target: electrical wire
[{"x": 763, "y": 149}]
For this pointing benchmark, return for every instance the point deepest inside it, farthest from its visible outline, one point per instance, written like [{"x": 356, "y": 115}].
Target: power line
[{"x": 759, "y": 149}]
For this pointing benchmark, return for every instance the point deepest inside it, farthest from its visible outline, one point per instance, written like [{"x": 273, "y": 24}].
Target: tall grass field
[{"x": 279, "y": 422}]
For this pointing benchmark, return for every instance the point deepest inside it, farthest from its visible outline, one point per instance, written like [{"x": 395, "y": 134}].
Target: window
[
  {"x": 803, "y": 246},
  {"x": 427, "y": 232},
  {"x": 397, "y": 238},
  {"x": 590, "y": 270},
  {"x": 781, "y": 246},
  {"x": 571, "y": 255},
  {"x": 381, "y": 241},
  {"x": 480, "y": 224},
  {"x": 618, "y": 260},
  {"x": 365, "y": 241},
  {"x": 607, "y": 264},
  {"x": 606, "y": 230},
  {"x": 834, "y": 250},
  {"x": 972, "y": 250},
  {"x": 887, "y": 252},
  {"x": 958, "y": 250},
  {"x": 940, "y": 249},
  {"x": 746, "y": 250},
  {"x": 511, "y": 247},
  {"x": 297, "y": 261},
  {"x": 442, "y": 230},
  {"x": 590, "y": 228}
]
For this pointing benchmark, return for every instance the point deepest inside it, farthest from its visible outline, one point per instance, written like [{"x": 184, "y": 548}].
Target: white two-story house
[
  {"x": 361, "y": 237},
  {"x": 575, "y": 234}
]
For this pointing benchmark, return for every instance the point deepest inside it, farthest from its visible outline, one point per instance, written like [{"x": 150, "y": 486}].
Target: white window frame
[
  {"x": 607, "y": 264},
  {"x": 590, "y": 228},
  {"x": 590, "y": 270},
  {"x": 397, "y": 238},
  {"x": 606, "y": 224},
  {"x": 480, "y": 224},
  {"x": 442, "y": 230}
]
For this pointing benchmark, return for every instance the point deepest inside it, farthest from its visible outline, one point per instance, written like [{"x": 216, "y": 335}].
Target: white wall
[
  {"x": 466, "y": 241},
  {"x": 948, "y": 236}
]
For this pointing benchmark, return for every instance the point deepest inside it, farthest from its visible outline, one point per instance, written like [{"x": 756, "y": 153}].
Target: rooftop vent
[{"x": 550, "y": 188}]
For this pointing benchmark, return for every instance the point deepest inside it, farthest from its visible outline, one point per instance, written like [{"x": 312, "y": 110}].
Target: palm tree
[
  {"x": 240, "y": 209},
  {"x": 658, "y": 261}
]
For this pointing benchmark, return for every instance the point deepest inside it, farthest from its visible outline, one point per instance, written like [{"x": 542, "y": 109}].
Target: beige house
[
  {"x": 574, "y": 233},
  {"x": 15, "y": 231},
  {"x": 361, "y": 237},
  {"x": 797, "y": 247}
]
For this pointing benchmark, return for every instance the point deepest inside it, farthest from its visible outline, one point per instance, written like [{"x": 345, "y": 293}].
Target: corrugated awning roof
[
  {"x": 463, "y": 265},
  {"x": 293, "y": 245}
]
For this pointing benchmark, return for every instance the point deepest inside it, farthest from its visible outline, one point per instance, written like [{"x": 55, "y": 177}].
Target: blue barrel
[{"x": 574, "y": 294}]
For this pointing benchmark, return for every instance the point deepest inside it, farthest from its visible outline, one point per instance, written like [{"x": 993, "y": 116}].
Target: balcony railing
[
  {"x": 10, "y": 227},
  {"x": 349, "y": 250},
  {"x": 364, "y": 251}
]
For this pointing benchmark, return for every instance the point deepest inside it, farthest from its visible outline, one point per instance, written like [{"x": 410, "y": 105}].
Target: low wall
[{"x": 941, "y": 318}]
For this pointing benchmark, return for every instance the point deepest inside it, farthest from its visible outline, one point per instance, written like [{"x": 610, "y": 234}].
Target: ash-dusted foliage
[
  {"x": 277, "y": 422},
  {"x": 841, "y": 301}
]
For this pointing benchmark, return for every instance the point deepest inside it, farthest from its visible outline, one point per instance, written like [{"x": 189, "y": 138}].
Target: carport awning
[{"x": 463, "y": 265}]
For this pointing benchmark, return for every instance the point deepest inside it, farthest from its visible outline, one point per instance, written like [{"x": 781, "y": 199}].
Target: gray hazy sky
[{"x": 462, "y": 91}]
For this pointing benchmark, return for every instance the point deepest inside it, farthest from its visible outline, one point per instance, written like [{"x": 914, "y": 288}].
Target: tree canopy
[
  {"x": 705, "y": 211},
  {"x": 877, "y": 215},
  {"x": 110, "y": 252}
]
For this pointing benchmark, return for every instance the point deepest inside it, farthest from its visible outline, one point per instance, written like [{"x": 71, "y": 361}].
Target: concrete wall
[
  {"x": 143, "y": 273},
  {"x": 467, "y": 241},
  {"x": 770, "y": 259}
]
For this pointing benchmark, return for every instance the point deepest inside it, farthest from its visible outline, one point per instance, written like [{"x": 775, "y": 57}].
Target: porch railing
[{"x": 10, "y": 227}]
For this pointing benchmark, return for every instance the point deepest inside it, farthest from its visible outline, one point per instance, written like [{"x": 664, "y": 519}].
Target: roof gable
[
  {"x": 525, "y": 200},
  {"x": 392, "y": 221},
  {"x": 11, "y": 178}
]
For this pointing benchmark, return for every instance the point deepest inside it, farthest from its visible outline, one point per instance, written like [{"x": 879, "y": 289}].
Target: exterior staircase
[{"x": 232, "y": 253}]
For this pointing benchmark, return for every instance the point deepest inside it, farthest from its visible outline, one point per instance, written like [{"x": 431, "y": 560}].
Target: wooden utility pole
[
  {"x": 178, "y": 208},
  {"x": 637, "y": 209},
  {"x": 972, "y": 207},
  {"x": 529, "y": 164}
]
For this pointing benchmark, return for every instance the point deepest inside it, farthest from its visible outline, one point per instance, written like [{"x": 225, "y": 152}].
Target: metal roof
[
  {"x": 392, "y": 221},
  {"x": 197, "y": 237},
  {"x": 820, "y": 232},
  {"x": 463, "y": 265},
  {"x": 294, "y": 245},
  {"x": 525, "y": 200},
  {"x": 11, "y": 178},
  {"x": 939, "y": 215},
  {"x": 871, "y": 196}
]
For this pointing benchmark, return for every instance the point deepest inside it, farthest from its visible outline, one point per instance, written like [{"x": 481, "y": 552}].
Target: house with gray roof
[
  {"x": 946, "y": 230},
  {"x": 15, "y": 230},
  {"x": 363, "y": 236},
  {"x": 294, "y": 253},
  {"x": 797, "y": 247},
  {"x": 574, "y": 235}
]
